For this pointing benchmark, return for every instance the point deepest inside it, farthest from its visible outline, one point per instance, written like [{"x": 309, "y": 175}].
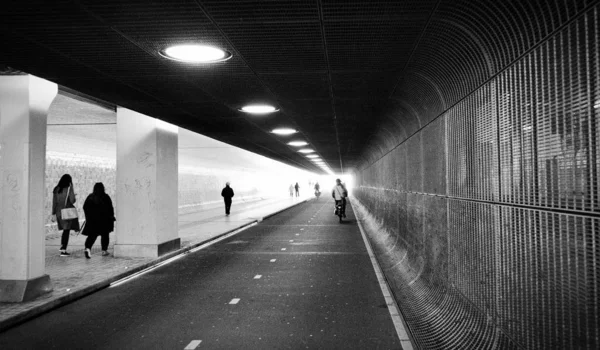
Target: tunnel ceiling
[{"x": 354, "y": 77}]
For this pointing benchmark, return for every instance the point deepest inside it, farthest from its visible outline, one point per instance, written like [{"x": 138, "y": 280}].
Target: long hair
[
  {"x": 64, "y": 182},
  {"x": 99, "y": 188}
]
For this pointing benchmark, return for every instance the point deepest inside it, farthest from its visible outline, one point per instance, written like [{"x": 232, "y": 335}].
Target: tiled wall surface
[{"x": 493, "y": 209}]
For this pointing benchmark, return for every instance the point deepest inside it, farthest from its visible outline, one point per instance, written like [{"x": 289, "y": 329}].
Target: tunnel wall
[
  {"x": 486, "y": 219},
  {"x": 81, "y": 141}
]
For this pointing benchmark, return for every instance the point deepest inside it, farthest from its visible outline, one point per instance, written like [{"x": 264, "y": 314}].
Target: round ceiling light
[
  {"x": 258, "y": 109},
  {"x": 195, "y": 54},
  {"x": 297, "y": 143},
  {"x": 284, "y": 131},
  {"x": 306, "y": 150}
]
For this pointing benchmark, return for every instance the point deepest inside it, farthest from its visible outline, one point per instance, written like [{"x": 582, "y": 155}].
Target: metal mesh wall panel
[
  {"x": 521, "y": 227},
  {"x": 414, "y": 228},
  {"x": 435, "y": 240},
  {"x": 548, "y": 110},
  {"x": 434, "y": 157},
  {"x": 549, "y": 279},
  {"x": 472, "y": 146},
  {"x": 414, "y": 164},
  {"x": 517, "y": 137},
  {"x": 399, "y": 155},
  {"x": 472, "y": 236}
]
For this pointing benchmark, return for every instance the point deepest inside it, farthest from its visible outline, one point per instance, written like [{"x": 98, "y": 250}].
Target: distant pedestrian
[
  {"x": 227, "y": 194},
  {"x": 297, "y": 187},
  {"x": 99, "y": 219},
  {"x": 291, "y": 190},
  {"x": 63, "y": 196}
]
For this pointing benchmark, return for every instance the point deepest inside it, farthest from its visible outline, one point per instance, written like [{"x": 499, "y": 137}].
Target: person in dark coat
[
  {"x": 63, "y": 196},
  {"x": 227, "y": 194},
  {"x": 297, "y": 187},
  {"x": 99, "y": 219}
]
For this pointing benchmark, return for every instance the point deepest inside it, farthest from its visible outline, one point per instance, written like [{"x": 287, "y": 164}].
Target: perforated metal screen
[{"x": 512, "y": 257}]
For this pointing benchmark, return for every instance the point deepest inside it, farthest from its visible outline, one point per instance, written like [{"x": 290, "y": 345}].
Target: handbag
[{"x": 68, "y": 213}]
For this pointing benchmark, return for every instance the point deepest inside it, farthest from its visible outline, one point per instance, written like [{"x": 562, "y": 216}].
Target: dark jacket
[
  {"x": 99, "y": 215},
  {"x": 58, "y": 203},
  {"x": 227, "y": 193}
]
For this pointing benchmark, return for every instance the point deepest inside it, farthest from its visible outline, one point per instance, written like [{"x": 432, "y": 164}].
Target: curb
[{"x": 80, "y": 293}]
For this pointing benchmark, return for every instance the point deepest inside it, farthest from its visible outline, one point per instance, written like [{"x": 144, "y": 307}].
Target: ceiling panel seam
[{"x": 331, "y": 95}]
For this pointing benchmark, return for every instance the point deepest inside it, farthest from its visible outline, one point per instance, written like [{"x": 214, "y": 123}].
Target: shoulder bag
[{"x": 68, "y": 213}]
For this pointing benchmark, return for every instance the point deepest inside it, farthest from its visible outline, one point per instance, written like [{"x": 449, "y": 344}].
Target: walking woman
[
  {"x": 99, "y": 219},
  {"x": 63, "y": 196}
]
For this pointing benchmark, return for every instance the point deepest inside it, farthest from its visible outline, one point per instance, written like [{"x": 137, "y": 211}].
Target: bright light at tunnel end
[
  {"x": 284, "y": 131},
  {"x": 258, "y": 109},
  {"x": 195, "y": 54}
]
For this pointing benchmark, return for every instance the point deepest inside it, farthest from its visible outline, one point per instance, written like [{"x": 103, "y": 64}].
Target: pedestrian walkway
[{"x": 75, "y": 276}]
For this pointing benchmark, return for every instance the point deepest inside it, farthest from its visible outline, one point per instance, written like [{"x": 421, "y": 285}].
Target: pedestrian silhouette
[
  {"x": 63, "y": 197},
  {"x": 227, "y": 194},
  {"x": 99, "y": 219}
]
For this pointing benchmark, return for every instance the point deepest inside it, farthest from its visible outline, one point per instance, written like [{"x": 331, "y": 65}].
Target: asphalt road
[{"x": 298, "y": 280}]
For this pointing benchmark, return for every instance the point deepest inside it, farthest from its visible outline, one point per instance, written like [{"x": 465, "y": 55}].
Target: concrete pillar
[
  {"x": 24, "y": 104},
  {"x": 147, "y": 175}
]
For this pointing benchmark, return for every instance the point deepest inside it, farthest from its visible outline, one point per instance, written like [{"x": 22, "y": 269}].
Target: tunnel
[{"x": 470, "y": 131}]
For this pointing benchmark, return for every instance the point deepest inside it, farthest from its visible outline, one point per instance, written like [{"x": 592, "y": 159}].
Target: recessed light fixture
[
  {"x": 298, "y": 143},
  {"x": 284, "y": 131},
  {"x": 258, "y": 109},
  {"x": 195, "y": 53},
  {"x": 313, "y": 156},
  {"x": 306, "y": 150}
]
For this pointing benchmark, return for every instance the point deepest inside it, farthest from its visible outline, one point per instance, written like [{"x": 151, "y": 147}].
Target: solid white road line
[
  {"x": 192, "y": 345},
  {"x": 234, "y": 301},
  {"x": 257, "y": 277},
  {"x": 387, "y": 295}
]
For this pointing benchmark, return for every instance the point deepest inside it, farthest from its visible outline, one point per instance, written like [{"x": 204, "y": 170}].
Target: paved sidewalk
[{"x": 75, "y": 276}]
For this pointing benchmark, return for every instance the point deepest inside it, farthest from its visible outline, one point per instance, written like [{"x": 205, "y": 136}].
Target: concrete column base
[
  {"x": 16, "y": 291},
  {"x": 146, "y": 250}
]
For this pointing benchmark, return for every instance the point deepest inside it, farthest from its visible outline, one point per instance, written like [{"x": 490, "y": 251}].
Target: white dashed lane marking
[
  {"x": 283, "y": 248},
  {"x": 234, "y": 301},
  {"x": 257, "y": 277},
  {"x": 192, "y": 345},
  {"x": 291, "y": 240},
  {"x": 273, "y": 260},
  {"x": 297, "y": 234}
]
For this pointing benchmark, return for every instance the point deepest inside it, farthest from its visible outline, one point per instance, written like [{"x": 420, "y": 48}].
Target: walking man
[{"x": 227, "y": 194}]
